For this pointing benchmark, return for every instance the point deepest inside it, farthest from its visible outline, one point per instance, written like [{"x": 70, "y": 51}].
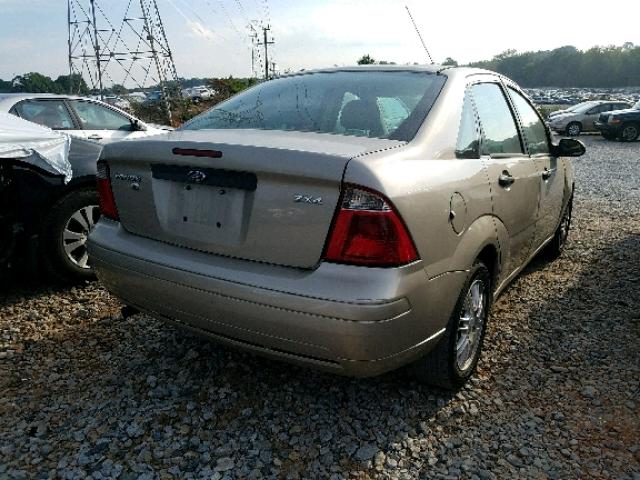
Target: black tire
[
  {"x": 440, "y": 367},
  {"x": 554, "y": 249},
  {"x": 630, "y": 132},
  {"x": 53, "y": 256},
  {"x": 573, "y": 129}
]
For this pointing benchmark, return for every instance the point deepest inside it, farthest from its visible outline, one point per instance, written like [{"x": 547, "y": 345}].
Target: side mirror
[
  {"x": 568, "y": 147},
  {"x": 136, "y": 127}
]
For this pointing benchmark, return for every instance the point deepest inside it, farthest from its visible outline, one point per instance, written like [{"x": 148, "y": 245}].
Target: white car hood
[{"x": 20, "y": 139}]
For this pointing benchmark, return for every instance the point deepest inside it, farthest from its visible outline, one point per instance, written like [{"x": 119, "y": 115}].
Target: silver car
[
  {"x": 582, "y": 117},
  {"x": 355, "y": 220},
  {"x": 79, "y": 117}
]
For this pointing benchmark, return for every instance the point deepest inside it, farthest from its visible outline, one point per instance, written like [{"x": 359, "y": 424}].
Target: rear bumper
[{"x": 351, "y": 320}]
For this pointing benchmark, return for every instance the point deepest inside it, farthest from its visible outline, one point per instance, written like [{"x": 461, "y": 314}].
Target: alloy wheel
[
  {"x": 471, "y": 324},
  {"x": 76, "y": 232},
  {"x": 574, "y": 130},
  {"x": 565, "y": 224},
  {"x": 630, "y": 133}
]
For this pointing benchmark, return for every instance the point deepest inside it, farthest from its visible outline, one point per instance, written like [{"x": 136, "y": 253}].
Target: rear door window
[
  {"x": 94, "y": 116},
  {"x": 50, "y": 113},
  {"x": 533, "y": 128},
  {"x": 498, "y": 125}
]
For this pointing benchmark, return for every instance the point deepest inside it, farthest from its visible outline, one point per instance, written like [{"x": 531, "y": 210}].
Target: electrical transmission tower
[{"x": 121, "y": 42}]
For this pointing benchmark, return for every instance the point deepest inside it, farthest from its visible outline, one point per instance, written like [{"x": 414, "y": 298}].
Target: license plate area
[{"x": 202, "y": 208}]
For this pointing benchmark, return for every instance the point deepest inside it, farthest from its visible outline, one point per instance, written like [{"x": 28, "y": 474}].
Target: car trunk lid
[{"x": 270, "y": 196}]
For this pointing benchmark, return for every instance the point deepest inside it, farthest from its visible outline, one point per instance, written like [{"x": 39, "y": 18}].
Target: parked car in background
[
  {"x": 153, "y": 97},
  {"x": 136, "y": 97},
  {"x": 78, "y": 116},
  {"x": 620, "y": 124},
  {"x": 197, "y": 93},
  {"x": 582, "y": 117},
  {"x": 339, "y": 233},
  {"x": 48, "y": 199},
  {"x": 571, "y": 109}
]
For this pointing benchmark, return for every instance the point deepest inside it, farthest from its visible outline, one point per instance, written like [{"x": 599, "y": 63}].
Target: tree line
[
  {"x": 35, "y": 82},
  {"x": 563, "y": 67},
  {"x": 612, "y": 66},
  {"x": 569, "y": 67}
]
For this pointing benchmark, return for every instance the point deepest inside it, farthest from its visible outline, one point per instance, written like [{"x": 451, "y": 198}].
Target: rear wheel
[
  {"x": 63, "y": 241},
  {"x": 630, "y": 132},
  {"x": 555, "y": 247},
  {"x": 455, "y": 357},
  {"x": 574, "y": 129}
]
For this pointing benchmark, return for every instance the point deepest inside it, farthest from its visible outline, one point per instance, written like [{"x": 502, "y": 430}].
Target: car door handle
[
  {"x": 546, "y": 174},
  {"x": 94, "y": 137},
  {"x": 505, "y": 179}
]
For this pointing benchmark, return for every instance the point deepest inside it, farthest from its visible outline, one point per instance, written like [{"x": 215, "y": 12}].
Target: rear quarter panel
[{"x": 420, "y": 180}]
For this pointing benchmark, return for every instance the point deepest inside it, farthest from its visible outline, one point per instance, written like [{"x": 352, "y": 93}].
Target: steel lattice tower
[{"x": 132, "y": 52}]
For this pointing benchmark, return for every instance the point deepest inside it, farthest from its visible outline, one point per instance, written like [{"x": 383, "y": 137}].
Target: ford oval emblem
[{"x": 196, "y": 176}]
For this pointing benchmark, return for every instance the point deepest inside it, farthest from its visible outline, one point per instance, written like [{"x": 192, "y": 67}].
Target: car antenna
[{"x": 419, "y": 35}]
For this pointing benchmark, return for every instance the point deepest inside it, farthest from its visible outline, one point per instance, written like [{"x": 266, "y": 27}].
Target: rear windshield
[{"x": 376, "y": 104}]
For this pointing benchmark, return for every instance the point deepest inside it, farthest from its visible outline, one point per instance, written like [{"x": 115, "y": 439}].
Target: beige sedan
[{"x": 354, "y": 220}]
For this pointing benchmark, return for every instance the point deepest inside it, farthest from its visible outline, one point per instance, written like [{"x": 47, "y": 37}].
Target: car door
[
  {"x": 515, "y": 187},
  {"x": 101, "y": 123},
  {"x": 52, "y": 113},
  {"x": 591, "y": 116},
  {"x": 551, "y": 178}
]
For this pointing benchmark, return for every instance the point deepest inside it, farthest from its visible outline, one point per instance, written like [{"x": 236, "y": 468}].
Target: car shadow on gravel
[{"x": 113, "y": 388}]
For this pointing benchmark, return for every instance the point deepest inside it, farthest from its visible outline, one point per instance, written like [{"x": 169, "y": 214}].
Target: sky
[{"x": 209, "y": 38}]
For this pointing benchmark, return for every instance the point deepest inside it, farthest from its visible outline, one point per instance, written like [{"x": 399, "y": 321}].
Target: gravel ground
[{"x": 557, "y": 394}]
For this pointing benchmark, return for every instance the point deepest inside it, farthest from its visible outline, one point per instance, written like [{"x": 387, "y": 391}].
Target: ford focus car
[{"x": 355, "y": 220}]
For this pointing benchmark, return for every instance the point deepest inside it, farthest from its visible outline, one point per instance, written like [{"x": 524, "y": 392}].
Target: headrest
[{"x": 362, "y": 115}]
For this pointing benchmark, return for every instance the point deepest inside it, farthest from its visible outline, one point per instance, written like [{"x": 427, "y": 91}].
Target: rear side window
[
  {"x": 375, "y": 104},
  {"x": 498, "y": 125},
  {"x": 468, "y": 145},
  {"x": 50, "y": 113},
  {"x": 534, "y": 130},
  {"x": 94, "y": 116}
]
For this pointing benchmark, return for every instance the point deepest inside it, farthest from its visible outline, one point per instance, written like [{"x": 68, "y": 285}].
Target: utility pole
[{"x": 266, "y": 44}]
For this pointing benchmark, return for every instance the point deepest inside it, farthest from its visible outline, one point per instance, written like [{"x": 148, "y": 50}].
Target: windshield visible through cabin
[{"x": 375, "y": 104}]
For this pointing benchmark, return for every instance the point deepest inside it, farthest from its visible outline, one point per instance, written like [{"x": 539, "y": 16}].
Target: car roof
[
  {"x": 435, "y": 68},
  {"x": 16, "y": 97}
]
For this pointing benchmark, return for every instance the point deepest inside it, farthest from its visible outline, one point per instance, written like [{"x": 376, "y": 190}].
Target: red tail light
[
  {"x": 368, "y": 231},
  {"x": 107, "y": 202}
]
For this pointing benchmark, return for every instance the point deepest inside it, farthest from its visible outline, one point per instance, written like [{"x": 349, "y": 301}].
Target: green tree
[
  {"x": 366, "y": 60},
  {"x": 5, "y": 86},
  {"x": 34, "y": 82},
  {"x": 72, "y": 84},
  {"x": 118, "y": 89},
  {"x": 450, "y": 62}
]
